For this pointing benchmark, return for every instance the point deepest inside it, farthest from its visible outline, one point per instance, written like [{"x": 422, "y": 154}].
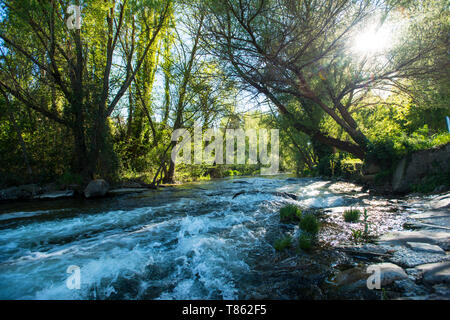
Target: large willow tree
[{"x": 296, "y": 54}]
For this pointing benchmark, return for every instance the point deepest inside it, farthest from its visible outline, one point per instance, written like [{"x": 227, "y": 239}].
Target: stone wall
[{"x": 413, "y": 168}]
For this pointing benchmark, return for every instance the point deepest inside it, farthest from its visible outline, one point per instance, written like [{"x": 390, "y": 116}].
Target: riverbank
[{"x": 414, "y": 263}]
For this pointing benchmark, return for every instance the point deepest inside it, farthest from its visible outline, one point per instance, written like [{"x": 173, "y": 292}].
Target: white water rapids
[{"x": 187, "y": 242}]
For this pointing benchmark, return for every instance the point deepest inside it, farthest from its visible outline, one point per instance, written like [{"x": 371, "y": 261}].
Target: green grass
[
  {"x": 309, "y": 223},
  {"x": 290, "y": 213},
  {"x": 352, "y": 215},
  {"x": 283, "y": 243}
]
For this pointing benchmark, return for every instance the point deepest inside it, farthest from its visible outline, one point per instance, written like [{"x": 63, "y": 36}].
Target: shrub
[
  {"x": 357, "y": 236},
  {"x": 290, "y": 213},
  {"x": 306, "y": 241},
  {"x": 283, "y": 243},
  {"x": 352, "y": 215},
  {"x": 309, "y": 223}
]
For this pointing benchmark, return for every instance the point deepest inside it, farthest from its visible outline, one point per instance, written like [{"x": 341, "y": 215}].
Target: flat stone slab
[
  {"x": 126, "y": 190},
  {"x": 56, "y": 195},
  {"x": 441, "y": 238},
  {"x": 425, "y": 247},
  {"x": 433, "y": 219},
  {"x": 436, "y": 272},
  {"x": 432, "y": 214},
  {"x": 442, "y": 201},
  {"x": 410, "y": 258}
]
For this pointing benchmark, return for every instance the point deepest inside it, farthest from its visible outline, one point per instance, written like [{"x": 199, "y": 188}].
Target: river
[{"x": 193, "y": 241}]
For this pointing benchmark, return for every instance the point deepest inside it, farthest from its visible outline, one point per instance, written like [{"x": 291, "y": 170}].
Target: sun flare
[{"x": 373, "y": 41}]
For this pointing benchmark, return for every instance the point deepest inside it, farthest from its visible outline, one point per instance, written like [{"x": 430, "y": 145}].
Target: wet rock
[
  {"x": 414, "y": 274},
  {"x": 241, "y": 182},
  {"x": 442, "y": 290},
  {"x": 390, "y": 272},
  {"x": 14, "y": 193},
  {"x": 351, "y": 276},
  {"x": 285, "y": 195},
  {"x": 239, "y": 193},
  {"x": 56, "y": 195},
  {"x": 425, "y": 247},
  {"x": 126, "y": 191},
  {"x": 96, "y": 188},
  {"x": 409, "y": 288},
  {"x": 435, "y": 272}
]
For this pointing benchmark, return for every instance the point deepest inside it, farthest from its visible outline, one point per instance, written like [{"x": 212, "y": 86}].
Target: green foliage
[
  {"x": 357, "y": 236},
  {"x": 306, "y": 241},
  {"x": 351, "y": 166},
  {"x": 290, "y": 213},
  {"x": 231, "y": 173},
  {"x": 309, "y": 223},
  {"x": 351, "y": 215},
  {"x": 69, "y": 178},
  {"x": 283, "y": 243}
]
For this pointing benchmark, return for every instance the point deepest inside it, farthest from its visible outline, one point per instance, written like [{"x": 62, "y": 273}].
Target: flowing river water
[{"x": 194, "y": 241}]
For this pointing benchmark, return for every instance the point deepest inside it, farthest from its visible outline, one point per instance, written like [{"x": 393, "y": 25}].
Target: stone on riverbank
[
  {"x": 56, "y": 195},
  {"x": 96, "y": 188},
  {"x": 409, "y": 258},
  {"x": 121, "y": 191},
  {"x": 14, "y": 193},
  {"x": 440, "y": 238},
  {"x": 425, "y": 247},
  {"x": 436, "y": 272},
  {"x": 389, "y": 272}
]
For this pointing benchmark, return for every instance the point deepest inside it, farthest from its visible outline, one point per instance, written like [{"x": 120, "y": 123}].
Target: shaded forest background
[{"x": 102, "y": 101}]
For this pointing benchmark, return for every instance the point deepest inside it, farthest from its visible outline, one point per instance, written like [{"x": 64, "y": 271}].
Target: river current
[{"x": 195, "y": 241}]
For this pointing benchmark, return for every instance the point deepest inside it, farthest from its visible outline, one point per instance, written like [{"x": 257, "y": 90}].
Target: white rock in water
[{"x": 425, "y": 247}]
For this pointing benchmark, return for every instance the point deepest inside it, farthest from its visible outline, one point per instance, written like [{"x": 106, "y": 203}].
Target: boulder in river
[{"x": 96, "y": 188}]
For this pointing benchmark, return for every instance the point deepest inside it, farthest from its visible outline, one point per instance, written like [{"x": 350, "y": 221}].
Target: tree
[
  {"x": 298, "y": 50},
  {"x": 80, "y": 69}
]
